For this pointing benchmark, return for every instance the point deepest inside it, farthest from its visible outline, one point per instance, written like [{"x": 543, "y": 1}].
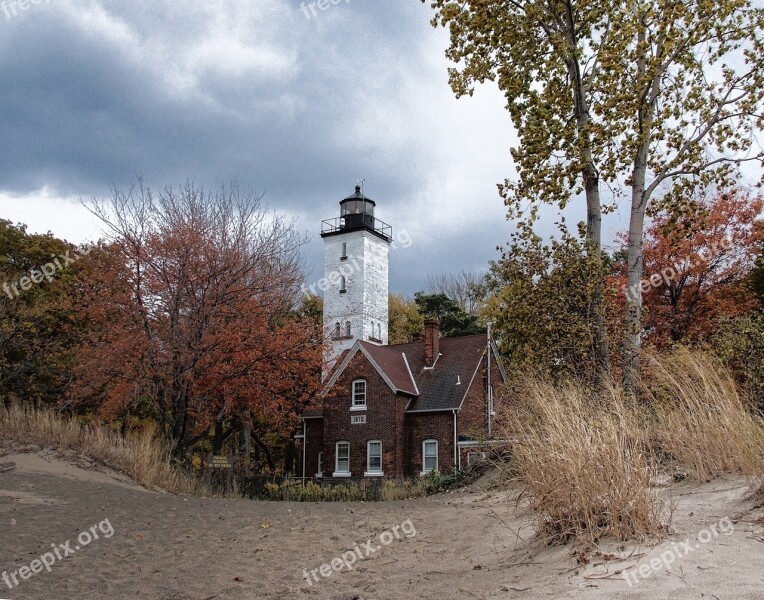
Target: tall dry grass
[
  {"x": 583, "y": 463},
  {"x": 698, "y": 420},
  {"x": 142, "y": 457},
  {"x": 587, "y": 461}
]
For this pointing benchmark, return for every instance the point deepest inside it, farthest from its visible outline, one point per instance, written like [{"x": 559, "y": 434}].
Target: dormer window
[{"x": 359, "y": 393}]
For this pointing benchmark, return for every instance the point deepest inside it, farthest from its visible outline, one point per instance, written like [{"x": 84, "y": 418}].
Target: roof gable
[
  {"x": 392, "y": 366},
  {"x": 440, "y": 388}
]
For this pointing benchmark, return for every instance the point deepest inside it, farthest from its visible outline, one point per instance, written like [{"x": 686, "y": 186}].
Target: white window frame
[
  {"x": 337, "y": 472},
  {"x": 357, "y": 405},
  {"x": 369, "y": 472},
  {"x": 425, "y": 470},
  {"x": 320, "y": 469}
]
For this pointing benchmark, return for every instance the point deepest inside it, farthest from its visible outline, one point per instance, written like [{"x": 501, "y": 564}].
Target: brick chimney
[{"x": 431, "y": 341}]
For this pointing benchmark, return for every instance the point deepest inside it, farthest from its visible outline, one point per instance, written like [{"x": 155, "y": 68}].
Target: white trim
[
  {"x": 424, "y": 455},
  {"x": 359, "y": 406},
  {"x": 469, "y": 387},
  {"x": 337, "y": 459},
  {"x": 341, "y": 369},
  {"x": 437, "y": 358},
  {"x": 368, "y": 459},
  {"x": 406, "y": 360},
  {"x": 380, "y": 474},
  {"x": 342, "y": 474}
]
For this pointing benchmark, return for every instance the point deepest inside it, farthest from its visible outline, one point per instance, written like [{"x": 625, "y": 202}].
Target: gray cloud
[{"x": 97, "y": 92}]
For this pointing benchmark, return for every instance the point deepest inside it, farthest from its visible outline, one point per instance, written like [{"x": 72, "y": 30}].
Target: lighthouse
[{"x": 356, "y": 265}]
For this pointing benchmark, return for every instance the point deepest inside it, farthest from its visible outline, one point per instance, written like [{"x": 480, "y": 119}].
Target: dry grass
[
  {"x": 699, "y": 421},
  {"x": 142, "y": 457},
  {"x": 587, "y": 461},
  {"x": 583, "y": 464}
]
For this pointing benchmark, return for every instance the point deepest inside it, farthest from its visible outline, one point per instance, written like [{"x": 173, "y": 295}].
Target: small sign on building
[{"x": 358, "y": 420}]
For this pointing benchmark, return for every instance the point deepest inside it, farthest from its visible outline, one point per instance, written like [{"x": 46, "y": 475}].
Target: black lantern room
[{"x": 357, "y": 212}]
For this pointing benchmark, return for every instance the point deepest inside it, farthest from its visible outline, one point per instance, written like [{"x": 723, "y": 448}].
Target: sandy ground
[{"x": 467, "y": 545}]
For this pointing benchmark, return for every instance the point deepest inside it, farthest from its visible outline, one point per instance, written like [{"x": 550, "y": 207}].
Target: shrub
[
  {"x": 699, "y": 421},
  {"x": 584, "y": 464},
  {"x": 293, "y": 490}
]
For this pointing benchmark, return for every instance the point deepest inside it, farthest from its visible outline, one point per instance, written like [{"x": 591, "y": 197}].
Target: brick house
[
  {"x": 403, "y": 410},
  {"x": 389, "y": 411}
]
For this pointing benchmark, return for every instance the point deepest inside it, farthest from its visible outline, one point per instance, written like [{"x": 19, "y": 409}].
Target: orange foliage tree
[
  {"x": 194, "y": 299},
  {"x": 696, "y": 266}
]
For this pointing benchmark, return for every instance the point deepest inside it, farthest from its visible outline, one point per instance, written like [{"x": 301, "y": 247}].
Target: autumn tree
[
  {"x": 696, "y": 268},
  {"x": 404, "y": 321},
  {"x": 540, "y": 304},
  {"x": 195, "y": 298},
  {"x": 40, "y": 324},
  {"x": 653, "y": 95},
  {"x": 739, "y": 342},
  {"x": 536, "y": 51},
  {"x": 755, "y": 281}
]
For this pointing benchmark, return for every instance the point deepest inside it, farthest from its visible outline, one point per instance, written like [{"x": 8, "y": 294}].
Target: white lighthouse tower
[{"x": 356, "y": 258}]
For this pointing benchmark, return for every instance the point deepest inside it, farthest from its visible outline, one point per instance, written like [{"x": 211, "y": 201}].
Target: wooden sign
[{"x": 220, "y": 462}]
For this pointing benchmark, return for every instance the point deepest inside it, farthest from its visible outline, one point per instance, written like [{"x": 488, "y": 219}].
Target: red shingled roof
[
  {"x": 442, "y": 387},
  {"x": 393, "y": 363}
]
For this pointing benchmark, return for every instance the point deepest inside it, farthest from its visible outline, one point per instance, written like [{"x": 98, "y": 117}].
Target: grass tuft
[
  {"x": 583, "y": 463},
  {"x": 699, "y": 422},
  {"x": 142, "y": 457}
]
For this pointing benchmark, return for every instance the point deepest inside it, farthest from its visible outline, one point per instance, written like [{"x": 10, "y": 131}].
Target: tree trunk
[
  {"x": 632, "y": 342},
  {"x": 592, "y": 188},
  {"x": 246, "y": 431},
  {"x": 639, "y": 198},
  {"x": 217, "y": 441},
  {"x": 264, "y": 448}
]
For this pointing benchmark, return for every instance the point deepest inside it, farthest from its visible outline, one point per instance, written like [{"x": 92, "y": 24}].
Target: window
[
  {"x": 320, "y": 469},
  {"x": 344, "y": 251},
  {"x": 374, "y": 458},
  {"x": 348, "y": 329},
  {"x": 379, "y": 332},
  {"x": 343, "y": 287},
  {"x": 337, "y": 330},
  {"x": 359, "y": 393},
  {"x": 373, "y": 329},
  {"x": 342, "y": 466},
  {"x": 429, "y": 456}
]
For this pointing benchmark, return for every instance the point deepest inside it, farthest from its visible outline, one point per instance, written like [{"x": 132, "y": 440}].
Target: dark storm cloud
[{"x": 94, "y": 93}]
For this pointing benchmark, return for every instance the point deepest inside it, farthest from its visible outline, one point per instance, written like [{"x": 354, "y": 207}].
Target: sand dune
[{"x": 466, "y": 545}]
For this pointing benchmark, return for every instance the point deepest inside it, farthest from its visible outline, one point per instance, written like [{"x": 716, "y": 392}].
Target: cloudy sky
[{"x": 290, "y": 104}]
